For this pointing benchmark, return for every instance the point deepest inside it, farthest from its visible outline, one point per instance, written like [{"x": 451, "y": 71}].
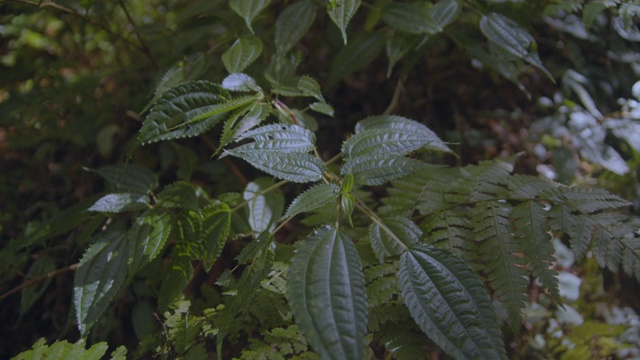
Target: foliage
[{"x": 365, "y": 246}]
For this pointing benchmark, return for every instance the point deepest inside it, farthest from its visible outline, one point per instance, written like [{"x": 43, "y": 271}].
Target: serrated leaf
[
  {"x": 128, "y": 178},
  {"x": 265, "y": 207},
  {"x": 313, "y": 198},
  {"x": 242, "y": 122},
  {"x": 100, "y": 274},
  {"x": 347, "y": 204},
  {"x": 43, "y": 265},
  {"x": 294, "y": 167},
  {"x": 115, "y": 203},
  {"x": 216, "y": 223},
  {"x": 358, "y": 53},
  {"x": 146, "y": 239},
  {"x": 392, "y": 236},
  {"x": 248, "y": 9},
  {"x": 181, "y": 194},
  {"x": 293, "y": 23},
  {"x": 310, "y": 87},
  {"x": 280, "y": 132},
  {"x": 326, "y": 289},
  {"x": 188, "y": 110},
  {"x": 399, "y": 124},
  {"x": 242, "y": 53},
  {"x": 450, "y": 304},
  {"x": 509, "y": 36},
  {"x": 322, "y": 108},
  {"x": 410, "y": 17},
  {"x": 341, "y": 13},
  {"x": 376, "y": 170},
  {"x": 240, "y": 82},
  {"x": 375, "y": 142}
]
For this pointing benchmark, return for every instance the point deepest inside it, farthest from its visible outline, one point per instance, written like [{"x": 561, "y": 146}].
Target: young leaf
[
  {"x": 293, "y": 23},
  {"x": 265, "y": 208},
  {"x": 294, "y": 167},
  {"x": 188, "y": 110},
  {"x": 376, "y": 170},
  {"x": 356, "y": 55},
  {"x": 347, "y": 204},
  {"x": 234, "y": 128},
  {"x": 314, "y": 198},
  {"x": 342, "y": 13},
  {"x": 242, "y": 53},
  {"x": 322, "y": 108},
  {"x": 181, "y": 194},
  {"x": 115, "y": 203},
  {"x": 508, "y": 35},
  {"x": 216, "y": 223},
  {"x": 397, "y": 45},
  {"x": 393, "y": 236},
  {"x": 248, "y": 9},
  {"x": 326, "y": 289},
  {"x": 240, "y": 82},
  {"x": 101, "y": 272},
  {"x": 146, "y": 239},
  {"x": 129, "y": 178},
  {"x": 450, "y": 304},
  {"x": 410, "y": 17}
]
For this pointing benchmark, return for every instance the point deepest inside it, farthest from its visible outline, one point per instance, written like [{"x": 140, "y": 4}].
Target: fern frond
[
  {"x": 451, "y": 229},
  {"x": 379, "y": 270},
  {"x": 498, "y": 253},
  {"x": 404, "y": 342},
  {"x": 531, "y": 231},
  {"x": 588, "y": 200}
]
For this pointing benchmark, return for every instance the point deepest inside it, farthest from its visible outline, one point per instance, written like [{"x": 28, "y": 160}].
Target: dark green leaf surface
[
  {"x": 377, "y": 170},
  {"x": 31, "y": 294},
  {"x": 216, "y": 223},
  {"x": 400, "y": 125},
  {"x": 342, "y": 13},
  {"x": 313, "y": 198},
  {"x": 248, "y": 9},
  {"x": 115, "y": 203},
  {"x": 325, "y": 287},
  {"x": 294, "y": 167},
  {"x": 129, "y": 178},
  {"x": 393, "y": 236},
  {"x": 450, "y": 304},
  {"x": 293, "y": 23},
  {"x": 101, "y": 272},
  {"x": 146, "y": 239},
  {"x": 358, "y": 53},
  {"x": 410, "y": 17},
  {"x": 242, "y": 53}
]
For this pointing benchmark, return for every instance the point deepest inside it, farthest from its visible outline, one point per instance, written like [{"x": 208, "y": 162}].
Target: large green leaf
[
  {"x": 242, "y": 53},
  {"x": 294, "y": 167},
  {"x": 128, "y": 178},
  {"x": 101, "y": 273},
  {"x": 146, "y": 239},
  {"x": 314, "y": 198},
  {"x": 410, "y": 17},
  {"x": 341, "y": 13},
  {"x": 188, "y": 110},
  {"x": 216, "y": 223},
  {"x": 265, "y": 204},
  {"x": 392, "y": 236},
  {"x": 375, "y": 142},
  {"x": 277, "y": 138},
  {"x": 115, "y": 203},
  {"x": 376, "y": 170},
  {"x": 325, "y": 287},
  {"x": 293, "y": 23},
  {"x": 508, "y": 35},
  {"x": 450, "y": 304},
  {"x": 248, "y": 9},
  {"x": 394, "y": 124},
  {"x": 358, "y": 53}
]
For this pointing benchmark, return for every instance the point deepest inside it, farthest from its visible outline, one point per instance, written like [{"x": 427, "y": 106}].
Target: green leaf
[
  {"x": 509, "y": 36},
  {"x": 188, "y": 110},
  {"x": 278, "y": 138},
  {"x": 65, "y": 350},
  {"x": 216, "y": 223},
  {"x": 116, "y": 203},
  {"x": 300, "y": 168},
  {"x": 293, "y": 23},
  {"x": 42, "y": 266},
  {"x": 300, "y": 86},
  {"x": 347, "y": 204},
  {"x": 181, "y": 194},
  {"x": 242, "y": 53},
  {"x": 322, "y": 108},
  {"x": 314, "y": 198},
  {"x": 392, "y": 236},
  {"x": 450, "y": 304},
  {"x": 265, "y": 204},
  {"x": 146, "y": 239},
  {"x": 356, "y": 55},
  {"x": 401, "y": 125},
  {"x": 326, "y": 289},
  {"x": 411, "y": 18},
  {"x": 378, "y": 142},
  {"x": 100, "y": 274},
  {"x": 248, "y": 9},
  {"x": 444, "y": 12},
  {"x": 341, "y": 13},
  {"x": 397, "y": 45},
  {"x": 376, "y": 170},
  {"x": 128, "y": 178},
  {"x": 240, "y": 82},
  {"x": 242, "y": 122}
]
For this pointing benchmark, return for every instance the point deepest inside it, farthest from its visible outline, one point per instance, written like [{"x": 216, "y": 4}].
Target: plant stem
[
  {"x": 143, "y": 44},
  {"x": 38, "y": 279},
  {"x": 376, "y": 219}
]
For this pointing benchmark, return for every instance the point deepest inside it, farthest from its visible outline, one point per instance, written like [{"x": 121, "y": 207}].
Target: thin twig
[
  {"x": 38, "y": 279},
  {"x": 396, "y": 97},
  {"x": 145, "y": 48}
]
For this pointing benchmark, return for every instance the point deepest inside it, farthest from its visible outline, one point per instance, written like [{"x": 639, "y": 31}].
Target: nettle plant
[{"x": 413, "y": 269}]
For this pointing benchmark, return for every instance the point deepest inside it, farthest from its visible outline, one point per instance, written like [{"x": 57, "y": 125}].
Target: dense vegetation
[{"x": 320, "y": 179}]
